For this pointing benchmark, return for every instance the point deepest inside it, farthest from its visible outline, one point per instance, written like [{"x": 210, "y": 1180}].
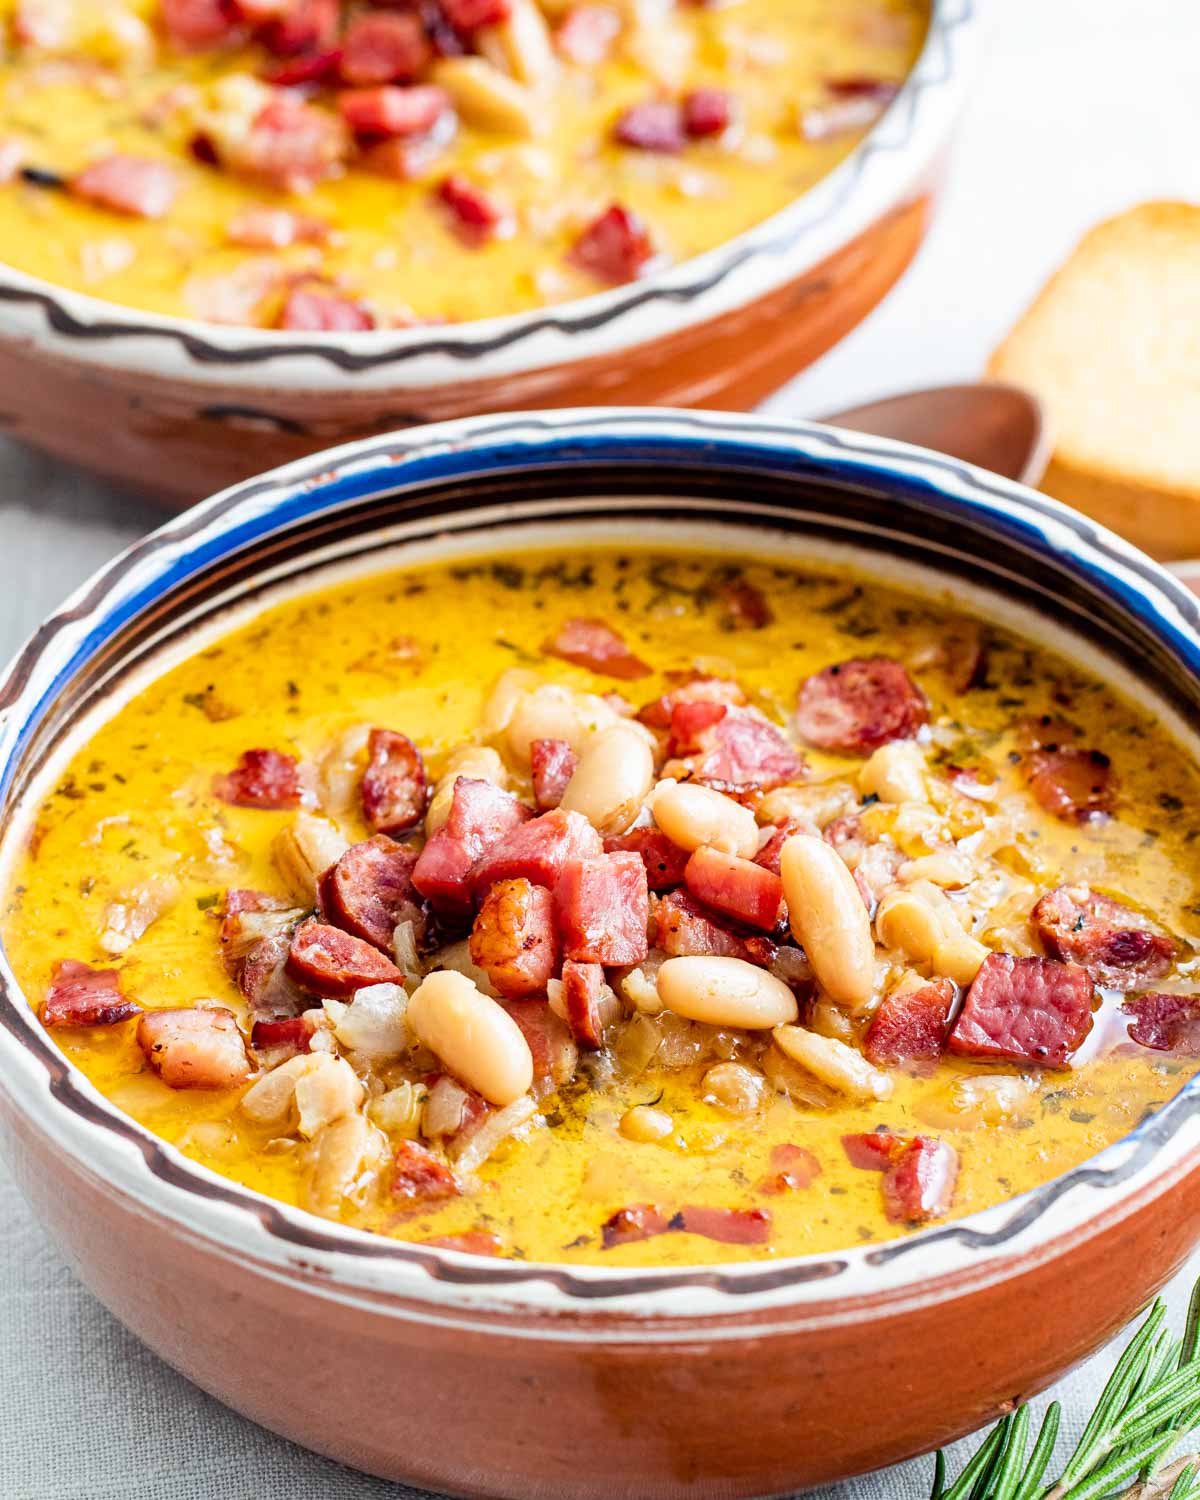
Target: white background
[{"x": 1080, "y": 108}]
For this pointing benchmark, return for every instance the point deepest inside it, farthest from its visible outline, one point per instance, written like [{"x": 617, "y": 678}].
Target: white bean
[
  {"x": 725, "y": 992},
  {"x": 479, "y": 763},
  {"x": 645, "y": 1124},
  {"x": 829, "y": 919},
  {"x": 612, "y": 780},
  {"x": 554, "y": 712},
  {"x": 693, "y": 815},
  {"x": 834, "y": 1063},
  {"x": 478, "y": 1041},
  {"x": 895, "y": 773}
]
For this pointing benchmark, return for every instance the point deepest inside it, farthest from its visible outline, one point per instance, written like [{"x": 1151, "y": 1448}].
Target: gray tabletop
[{"x": 1081, "y": 108}]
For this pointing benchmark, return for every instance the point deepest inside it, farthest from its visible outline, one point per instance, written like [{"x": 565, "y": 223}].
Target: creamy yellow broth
[
  {"x": 419, "y": 650},
  {"x": 391, "y": 247}
]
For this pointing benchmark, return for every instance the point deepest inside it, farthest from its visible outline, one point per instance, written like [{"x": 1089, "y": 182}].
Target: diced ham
[
  {"x": 665, "y": 862},
  {"x": 267, "y": 779},
  {"x": 195, "y": 25},
  {"x": 910, "y": 1027},
  {"x": 389, "y": 110},
  {"x": 420, "y": 1177},
  {"x": 873, "y": 1151},
  {"x": 293, "y": 1032},
  {"x": 735, "y": 749},
  {"x": 1071, "y": 783},
  {"x": 597, "y": 646},
  {"x": 708, "y": 112},
  {"x": 737, "y": 887},
  {"x": 1115, "y": 945},
  {"x": 551, "y": 1045},
  {"x": 919, "y": 1184},
  {"x": 384, "y": 47},
  {"x": 1029, "y": 1010},
  {"x": 640, "y": 1221},
  {"x": 393, "y": 784},
  {"x": 615, "y": 246},
  {"x": 653, "y": 125},
  {"x": 745, "y": 605},
  {"x": 290, "y": 144},
  {"x": 333, "y": 964},
  {"x": 302, "y": 29},
  {"x": 137, "y": 186},
  {"x": 514, "y": 938},
  {"x": 659, "y": 711},
  {"x": 469, "y": 1242},
  {"x": 602, "y": 908},
  {"x": 793, "y": 1168},
  {"x": 771, "y": 853},
  {"x": 1165, "y": 1023},
  {"x": 194, "y": 1049},
  {"x": 82, "y": 996},
  {"x": 263, "y": 228},
  {"x": 855, "y": 706},
  {"x": 587, "y": 33},
  {"x": 318, "y": 309},
  {"x": 682, "y": 927},
  {"x": 538, "y": 850},
  {"x": 552, "y": 764},
  {"x": 582, "y": 986},
  {"x": 729, "y": 1226},
  {"x": 481, "y": 816},
  {"x": 469, "y": 15},
  {"x": 475, "y": 215},
  {"x": 370, "y": 890}
]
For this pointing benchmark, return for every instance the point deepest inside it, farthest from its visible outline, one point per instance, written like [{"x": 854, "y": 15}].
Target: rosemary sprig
[{"x": 1151, "y": 1401}]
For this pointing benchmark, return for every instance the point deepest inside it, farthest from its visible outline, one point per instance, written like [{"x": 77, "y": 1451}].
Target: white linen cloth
[{"x": 1081, "y": 107}]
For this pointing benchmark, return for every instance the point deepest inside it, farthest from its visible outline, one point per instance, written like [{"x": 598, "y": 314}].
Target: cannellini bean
[
  {"x": 834, "y": 1063},
  {"x": 734, "y": 1087},
  {"x": 959, "y": 958},
  {"x": 642, "y": 1123},
  {"x": 693, "y": 815},
  {"x": 820, "y": 802},
  {"x": 829, "y": 919},
  {"x": 304, "y": 850},
  {"x": 509, "y": 689},
  {"x": 476, "y": 762},
  {"x": 894, "y": 773},
  {"x": 725, "y": 992},
  {"x": 346, "y": 1156},
  {"x": 612, "y": 780},
  {"x": 475, "y": 1038},
  {"x": 554, "y": 712},
  {"x": 487, "y": 98},
  {"x": 915, "y": 921}
]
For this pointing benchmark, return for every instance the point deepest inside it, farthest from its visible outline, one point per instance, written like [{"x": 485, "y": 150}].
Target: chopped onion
[
  {"x": 444, "y": 1108},
  {"x": 495, "y": 1127},
  {"x": 404, "y": 951},
  {"x": 374, "y": 1022}
]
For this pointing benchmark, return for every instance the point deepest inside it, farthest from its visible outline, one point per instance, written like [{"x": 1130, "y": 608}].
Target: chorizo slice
[
  {"x": 1165, "y": 1023},
  {"x": 639, "y": 1221},
  {"x": 139, "y": 187},
  {"x": 597, "y": 646},
  {"x": 1118, "y": 948},
  {"x": 370, "y": 890},
  {"x": 1071, "y": 783},
  {"x": 334, "y": 964},
  {"x": 1026, "y": 1010},
  {"x": 394, "y": 785},
  {"x": 855, "y": 706},
  {"x": 194, "y": 1048},
  {"x": 82, "y": 996},
  {"x": 420, "y": 1177},
  {"x": 262, "y": 778}
]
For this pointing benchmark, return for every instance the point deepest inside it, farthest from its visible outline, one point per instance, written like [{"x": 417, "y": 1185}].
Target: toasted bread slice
[{"x": 1112, "y": 345}]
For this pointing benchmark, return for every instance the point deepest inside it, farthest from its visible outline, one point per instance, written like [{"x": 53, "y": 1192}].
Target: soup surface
[
  {"x": 308, "y": 165},
  {"x": 949, "y": 881}
]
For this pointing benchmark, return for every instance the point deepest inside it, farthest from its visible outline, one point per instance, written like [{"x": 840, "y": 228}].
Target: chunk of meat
[
  {"x": 729, "y": 1226},
  {"x": 771, "y": 853},
  {"x": 919, "y": 1184},
  {"x": 470, "y": 15},
  {"x": 698, "y": 689},
  {"x": 551, "y": 1045},
  {"x": 302, "y": 29},
  {"x": 910, "y": 1027},
  {"x": 256, "y": 934},
  {"x": 394, "y": 783},
  {"x": 475, "y": 215},
  {"x": 1165, "y": 1023},
  {"x": 746, "y": 607},
  {"x": 481, "y": 816},
  {"x": 1071, "y": 783},
  {"x": 514, "y": 938},
  {"x": 665, "y": 862},
  {"x": 874, "y": 1150},
  {"x": 194, "y": 1049},
  {"x": 197, "y": 25},
  {"x": 640, "y": 1221},
  {"x": 616, "y": 246},
  {"x": 587, "y": 33},
  {"x": 1029, "y": 1010},
  {"x": 582, "y": 986},
  {"x": 737, "y": 887},
  {"x": 732, "y": 747},
  {"x": 552, "y": 764},
  {"x": 709, "y": 112},
  {"x": 333, "y": 964},
  {"x": 370, "y": 890},
  {"x": 267, "y": 779},
  {"x": 261, "y": 227},
  {"x": 384, "y": 47},
  {"x": 82, "y": 996},
  {"x": 290, "y": 145},
  {"x": 793, "y": 1168},
  {"x": 293, "y": 1032},
  {"x": 389, "y": 110},
  {"x": 855, "y": 706},
  {"x": 136, "y": 186},
  {"x": 319, "y": 309},
  {"x": 420, "y": 1177},
  {"x": 602, "y": 908},
  {"x": 469, "y": 1242},
  {"x": 682, "y": 927},
  {"x": 653, "y": 125},
  {"x": 597, "y": 646},
  {"x": 1115, "y": 945},
  {"x": 538, "y": 850}
]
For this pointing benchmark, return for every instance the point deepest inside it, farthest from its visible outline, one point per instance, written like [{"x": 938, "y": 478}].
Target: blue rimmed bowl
[{"x": 497, "y": 1378}]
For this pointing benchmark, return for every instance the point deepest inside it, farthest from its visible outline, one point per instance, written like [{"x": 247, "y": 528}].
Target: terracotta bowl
[
  {"x": 502, "y": 1378},
  {"x": 175, "y": 409}
]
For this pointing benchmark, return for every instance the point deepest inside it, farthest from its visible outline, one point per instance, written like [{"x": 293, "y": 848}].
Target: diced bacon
[
  {"x": 134, "y": 185},
  {"x": 919, "y": 1184},
  {"x": 82, "y": 996},
  {"x": 303, "y": 29},
  {"x": 682, "y": 927},
  {"x": 708, "y": 112},
  {"x": 597, "y": 646},
  {"x": 552, "y": 764},
  {"x": 690, "y": 720},
  {"x": 420, "y": 1177},
  {"x": 1115, "y": 945},
  {"x": 746, "y": 607},
  {"x": 602, "y": 908},
  {"x": 910, "y": 1027},
  {"x": 653, "y": 125},
  {"x": 317, "y": 309},
  {"x": 194, "y": 1049},
  {"x": 475, "y": 215},
  {"x": 729, "y": 1226},
  {"x": 391, "y": 110},
  {"x": 370, "y": 890},
  {"x": 736, "y": 749},
  {"x": 615, "y": 246},
  {"x": 469, "y": 15},
  {"x": 551, "y": 1045},
  {"x": 737, "y": 887},
  {"x": 855, "y": 706},
  {"x": 267, "y": 779},
  {"x": 665, "y": 862},
  {"x": 1029, "y": 1010},
  {"x": 587, "y": 33},
  {"x": 290, "y": 145},
  {"x": 659, "y": 711},
  {"x": 514, "y": 938},
  {"x": 262, "y": 228},
  {"x": 384, "y": 47},
  {"x": 793, "y": 1168},
  {"x": 1070, "y": 783},
  {"x": 334, "y": 964},
  {"x": 469, "y": 1242},
  {"x": 771, "y": 853},
  {"x": 582, "y": 986},
  {"x": 1165, "y": 1023},
  {"x": 394, "y": 783},
  {"x": 196, "y": 25},
  {"x": 293, "y": 1032},
  {"x": 873, "y": 1151},
  {"x": 538, "y": 850},
  {"x": 481, "y": 816},
  {"x": 640, "y": 1221}
]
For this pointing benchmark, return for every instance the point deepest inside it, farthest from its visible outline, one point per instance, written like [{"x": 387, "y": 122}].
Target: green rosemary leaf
[
  {"x": 1104, "y": 1481},
  {"x": 1187, "y": 1485},
  {"x": 965, "y": 1483},
  {"x": 1012, "y": 1465},
  {"x": 1043, "y": 1452},
  {"x": 939, "y": 1476}
]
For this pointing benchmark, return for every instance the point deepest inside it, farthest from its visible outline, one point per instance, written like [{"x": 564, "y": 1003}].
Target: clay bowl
[
  {"x": 495, "y": 1378},
  {"x": 176, "y": 409}
]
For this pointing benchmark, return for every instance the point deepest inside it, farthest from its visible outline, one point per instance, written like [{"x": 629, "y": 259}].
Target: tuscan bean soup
[
  {"x": 620, "y": 907},
  {"x": 319, "y": 165}
]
